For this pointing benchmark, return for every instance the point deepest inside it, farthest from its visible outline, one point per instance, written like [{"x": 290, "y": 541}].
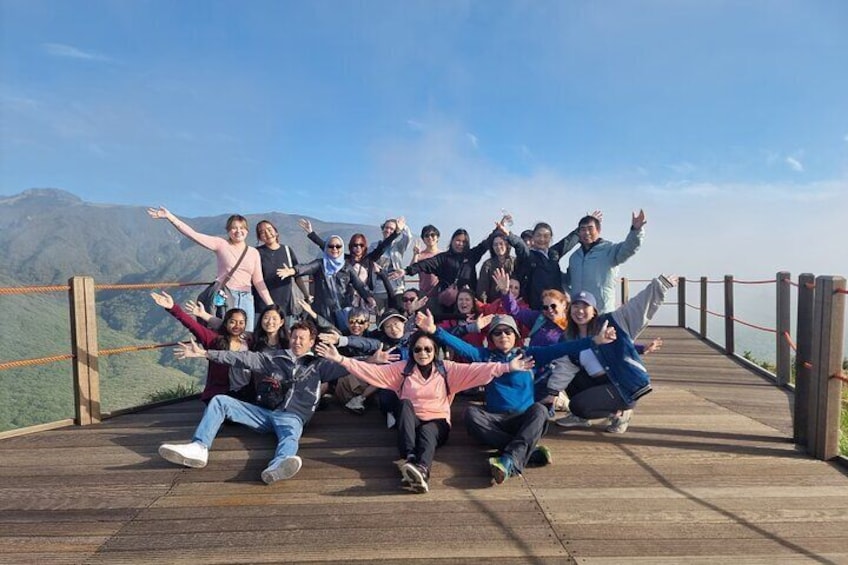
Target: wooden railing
[{"x": 818, "y": 360}]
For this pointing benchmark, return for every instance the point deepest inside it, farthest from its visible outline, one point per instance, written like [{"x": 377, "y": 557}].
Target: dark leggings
[
  {"x": 594, "y": 397},
  {"x": 420, "y": 438}
]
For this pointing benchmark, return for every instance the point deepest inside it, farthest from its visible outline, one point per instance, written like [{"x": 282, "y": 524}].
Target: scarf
[{"x": 333, "y": 265}]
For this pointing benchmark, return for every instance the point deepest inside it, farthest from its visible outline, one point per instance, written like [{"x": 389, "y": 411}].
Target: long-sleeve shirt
[
  {"x": 429, "y": 396},
  {"x": 249, "y": 271}
]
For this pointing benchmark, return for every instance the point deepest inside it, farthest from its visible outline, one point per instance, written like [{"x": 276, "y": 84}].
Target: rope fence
[
  {"x": 37, "y": 361},
  {"x": 7, "y": 290}
]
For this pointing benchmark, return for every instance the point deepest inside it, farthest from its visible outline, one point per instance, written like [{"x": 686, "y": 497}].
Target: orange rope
[
  {"x": 754, "y": 282},
  {"x": 841, "y": 291},
  {"x": 840, "y": 377},
  {"x": 32, "y": 289},
  {"x": 756, "y": 327},
  {"x": 130, "y": 348},
  {"x": 147, "y": 286},
  {"x": 38, "y": 361}
]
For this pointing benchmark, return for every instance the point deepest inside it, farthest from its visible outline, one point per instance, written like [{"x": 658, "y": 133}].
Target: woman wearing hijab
[{"x": 332, "y": 276}]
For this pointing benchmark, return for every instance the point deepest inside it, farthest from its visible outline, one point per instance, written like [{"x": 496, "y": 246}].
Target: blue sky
[{"x": 726, "y": 121}]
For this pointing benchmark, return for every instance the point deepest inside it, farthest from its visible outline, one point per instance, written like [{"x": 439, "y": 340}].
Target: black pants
[
  {"x": 594, "y": 397},
  {"x": 419, "y": 438},
  {"x": 513, "y": 434}
]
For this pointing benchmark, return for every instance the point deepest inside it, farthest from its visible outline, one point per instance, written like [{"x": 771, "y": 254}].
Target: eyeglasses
[
  {"x": 550, "y": 307},
  {"x": 431, "y": 234},
  {"x": 331, "y": 246},
  {"x": 357, "y": 245},
  {"x": 425, "y": 349},
  {"x": 409, "y": 299},
  {"x": 501, "y": 331},
  {"x": 358, "y": 322}
]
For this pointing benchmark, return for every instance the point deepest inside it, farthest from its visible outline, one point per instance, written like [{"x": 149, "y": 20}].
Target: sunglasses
[
  {"x": 425, "y": 349},
  {"x": 358, "y": 322},
  {"x": 409, "y": 299},
  {"x": 431, "y": 234},
  {"x": 357, "y": 245},
  {"x": 550, "y": 307},
  {"x": 501, "y": 331},
  {"x": 334, "y": 246}
]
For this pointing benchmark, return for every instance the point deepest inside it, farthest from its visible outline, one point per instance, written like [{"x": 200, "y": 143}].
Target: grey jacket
[
  {"x": 392, "y": 260},
  {"x": 595, "y": 270}
]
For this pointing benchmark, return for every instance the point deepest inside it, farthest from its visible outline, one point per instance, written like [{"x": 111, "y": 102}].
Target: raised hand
[
  {"x": 501, "y": 226},
  {"x": 196, "y": 309},
  {"x": 164, "y": 300},
  {"x": 395, "y": 275},
  {"x": 672, "y": 279},
  {"x": 484, "y": 321},
  {"x": 501, "y": 278},
  {"x": 160, "y": 213},
  {"x": 597, "y": 214},
  {"x": 307, "y": 307},
  {"x": 419, "y": 303},
  {"x": 401, "y": 223},
  {"x": 425, "y": 322},
  {"x": 655, "y": 345},
  {"x": 305, "y": 225},
  {"x": 189, "y": 350},
  {"x": 328, "y": 351},
  {"x": 329, "y": 337},
  {"x": 639, "y": 220},
  {"x": 381, "y": 357},
  {"x": 520, "y": 363},
  {"x": 285, "y": 272},
  {"x": 605, "y": 335}
]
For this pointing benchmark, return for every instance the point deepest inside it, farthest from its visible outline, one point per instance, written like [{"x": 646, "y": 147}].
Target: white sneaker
[
  {"x": 390, "y": 420},
  {"x": 620, "y": 422},
  {"x": 356, "y": 404},
  {"x": 572, "y": 421},
  {"x": 285, "y": 469},
  {"x": 193, "y": 454}
]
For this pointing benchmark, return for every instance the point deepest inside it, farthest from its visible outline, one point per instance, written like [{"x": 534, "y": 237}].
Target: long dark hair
[
  {"x": 223, "y": 339},
  {"x": 260, "y": 337},
  {"x": 592, "y": 328},
  {"x": 413, "y": 340}
]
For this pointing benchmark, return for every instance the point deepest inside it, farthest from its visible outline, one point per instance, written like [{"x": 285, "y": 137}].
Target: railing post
[
  {"x": 84, "y": 347},
  {"x": 828, "y": 331},
  {"x": 703, "y": 307},
  {"x": 681, "y": 302},
  {"x": 783, "y": 319},
  {"x": 729, "y": 345},
  {"x": 803, "y": 355},
  {"x": 625, "y": 290}
]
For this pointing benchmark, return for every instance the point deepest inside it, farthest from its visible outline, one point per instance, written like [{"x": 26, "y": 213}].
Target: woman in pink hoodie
[{"x": 426, "y": 386}]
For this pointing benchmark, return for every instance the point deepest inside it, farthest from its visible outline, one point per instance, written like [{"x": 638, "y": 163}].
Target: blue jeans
[
  {"x": 244, "y": 300},
  {"x": 286, "y": 425}
]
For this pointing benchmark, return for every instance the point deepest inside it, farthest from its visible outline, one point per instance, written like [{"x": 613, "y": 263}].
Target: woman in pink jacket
[
  {"x": 426, "y": 386},
  {"x": 227, "y": 252}
]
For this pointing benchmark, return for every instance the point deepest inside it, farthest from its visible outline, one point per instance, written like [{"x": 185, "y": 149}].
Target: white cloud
[
  {"x": 71, "y": 52},
  {"x": 795, "y": 164}
]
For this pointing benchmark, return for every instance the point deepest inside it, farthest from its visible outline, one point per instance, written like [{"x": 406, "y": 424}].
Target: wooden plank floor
[{"x": 705, "y": 474}]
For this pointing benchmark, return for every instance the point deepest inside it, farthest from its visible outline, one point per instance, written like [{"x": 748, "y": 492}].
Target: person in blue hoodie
[{"x": 511, "y": 421}]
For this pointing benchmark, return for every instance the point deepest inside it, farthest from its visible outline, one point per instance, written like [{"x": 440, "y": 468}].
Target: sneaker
[
  {"x": 501, "y": 468},
  {"x": 620, "y": 422},
  {"x": 572, "y": 421},
  {"x": 285, "y": 469},
  {"x": 409, "y": 459},
  {"x": 416, "y": 475},
  {"x": 561, "y": 402},
  {"x": 193, "y": 454},
  {"x": 390, "y": 420},
  {"x": 540, "y": 457},
  {"x": 356, "y": 404}
]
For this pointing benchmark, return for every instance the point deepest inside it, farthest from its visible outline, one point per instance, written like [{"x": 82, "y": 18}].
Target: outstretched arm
[{"x": 207, "y": 241}]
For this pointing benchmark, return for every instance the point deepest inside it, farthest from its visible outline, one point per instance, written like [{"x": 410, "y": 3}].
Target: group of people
[{"x": 531, "y": 337}]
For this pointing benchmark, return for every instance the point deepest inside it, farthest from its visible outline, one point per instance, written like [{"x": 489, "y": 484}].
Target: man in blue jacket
[{"x": 511, "y": 421}]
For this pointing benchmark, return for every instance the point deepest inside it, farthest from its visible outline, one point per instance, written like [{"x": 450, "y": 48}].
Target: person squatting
[{"x": 519, "y": 333}]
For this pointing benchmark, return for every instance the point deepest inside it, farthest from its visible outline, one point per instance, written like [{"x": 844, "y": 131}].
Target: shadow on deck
[{"x": 707, "y": 472}]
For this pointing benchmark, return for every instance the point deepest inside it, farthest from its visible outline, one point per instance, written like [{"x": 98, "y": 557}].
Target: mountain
[{"x": 50, "y": 235}]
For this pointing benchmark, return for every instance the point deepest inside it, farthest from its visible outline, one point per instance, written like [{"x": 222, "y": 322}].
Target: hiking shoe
[
  {"x": 416, "y": 476},
  {"x": 620, "y": 422},
  {"x": 285, "y": 469},
  {"x": 561, "y": 402},
  {"x": 356, "y": 404},
  {"x": 193, "y": 454},
  {"x": 540, "y": 457},
  {"x": 391, "y": 421},
  {"x": 501, "y": 468},
  {"x": 409, "y": 459},
  {"x": 573, "y": 421}
]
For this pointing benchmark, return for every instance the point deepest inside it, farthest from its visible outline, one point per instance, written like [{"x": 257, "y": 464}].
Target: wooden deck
[{"x": 706, "y": 473}]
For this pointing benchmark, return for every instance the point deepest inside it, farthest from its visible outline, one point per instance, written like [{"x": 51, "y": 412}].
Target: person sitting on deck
[
  {"x": 511, "y": 421},
  {"x": 606, "y": 382},
  {"x": 286, "y": 398},
  {"x": 426, "y": 387}
]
